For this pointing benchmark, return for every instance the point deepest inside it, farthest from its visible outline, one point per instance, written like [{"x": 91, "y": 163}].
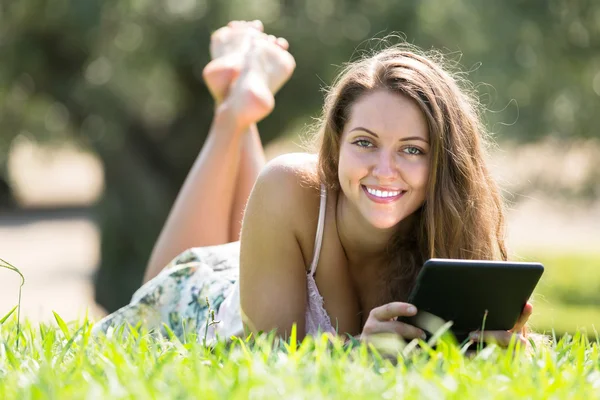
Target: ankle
[
  {"x": 226, "y": 118},
  {"x": 249, "y": 100}
]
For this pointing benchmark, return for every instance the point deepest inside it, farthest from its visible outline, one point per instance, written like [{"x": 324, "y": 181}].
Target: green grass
[
  {"x": 567, "y": 297},
  {"x": 572, "y": 279},
  {"x": 564, "y": 318},
  {"x": 64, "y": 361}
]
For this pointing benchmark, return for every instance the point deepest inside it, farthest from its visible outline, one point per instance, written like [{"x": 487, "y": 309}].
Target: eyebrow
[{"x": 406, "y": 139}]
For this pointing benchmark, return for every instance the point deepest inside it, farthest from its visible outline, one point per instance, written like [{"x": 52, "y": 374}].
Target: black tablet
[{"x": 472, "y": 294}]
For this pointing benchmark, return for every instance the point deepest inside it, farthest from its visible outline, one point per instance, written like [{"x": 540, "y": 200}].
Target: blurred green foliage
[
  {"x": 123, "y": 80},
  {"x": 573, "y": 279},
  {"x": 567, "y": 297}
]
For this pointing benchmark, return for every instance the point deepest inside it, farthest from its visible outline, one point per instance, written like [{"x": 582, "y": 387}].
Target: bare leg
[
  {"x": 252, "y": 160},
  {"x": 272, "y": 64},
  {"x": 209, "y": 207},
  {"x": 202, "y": 210}
]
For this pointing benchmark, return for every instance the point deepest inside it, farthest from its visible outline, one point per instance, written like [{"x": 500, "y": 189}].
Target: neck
[
  {"x": 365, "y": 248},
  {"x": 364, "y": 244}
]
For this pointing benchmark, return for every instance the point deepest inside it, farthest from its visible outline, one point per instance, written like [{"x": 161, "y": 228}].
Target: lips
[{"x": 382, "y": 195}]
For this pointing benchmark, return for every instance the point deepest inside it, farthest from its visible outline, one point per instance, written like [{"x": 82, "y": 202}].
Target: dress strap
[{"x": 320, "y": 228}]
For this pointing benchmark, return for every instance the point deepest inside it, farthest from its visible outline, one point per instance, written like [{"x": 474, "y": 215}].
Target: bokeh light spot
[{"x": 99, "y": 71}]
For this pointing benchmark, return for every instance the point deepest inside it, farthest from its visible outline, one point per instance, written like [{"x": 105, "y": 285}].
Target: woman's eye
[
  {"x": 413, "y": 151},
  {"x": 363, "y": 143}
]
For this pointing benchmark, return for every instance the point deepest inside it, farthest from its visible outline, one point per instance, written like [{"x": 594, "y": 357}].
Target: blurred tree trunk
[
  {"x": 130, "y": 214},
  {"x": 6, "y": 196}
]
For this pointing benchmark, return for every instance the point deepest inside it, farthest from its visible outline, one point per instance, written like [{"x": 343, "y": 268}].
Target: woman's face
[{"x": 384, "y": 158}]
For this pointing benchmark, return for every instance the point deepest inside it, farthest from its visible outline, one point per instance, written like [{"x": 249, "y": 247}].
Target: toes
[
  {"x": 222, "y": 68},
  {"x": 219, "y": 32},
  {"x": 257, "y": 24},
  {"x": 283, "y": 43},
  {"x": 261, "y": 36}
]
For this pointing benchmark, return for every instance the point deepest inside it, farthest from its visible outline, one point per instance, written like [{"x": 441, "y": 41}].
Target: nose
[{"x": 385, "y": 166}]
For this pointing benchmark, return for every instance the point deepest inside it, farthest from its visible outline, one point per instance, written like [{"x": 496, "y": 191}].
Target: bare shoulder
[
  {"x": 290, "y": 184},
  {"x": 272, "y": 254},
  {"x": 292, "y": 167},
  {"x": 286, "y": 194}
]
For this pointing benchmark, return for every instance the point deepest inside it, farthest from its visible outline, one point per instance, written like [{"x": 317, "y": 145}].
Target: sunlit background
[{"x": 103, "y": 110}]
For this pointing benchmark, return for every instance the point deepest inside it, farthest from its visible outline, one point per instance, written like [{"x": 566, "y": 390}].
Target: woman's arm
[{"x": 272, "y": 266}]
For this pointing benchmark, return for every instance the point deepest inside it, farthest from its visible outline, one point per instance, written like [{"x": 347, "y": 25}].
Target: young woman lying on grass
[{"x": 331, "y": 241}]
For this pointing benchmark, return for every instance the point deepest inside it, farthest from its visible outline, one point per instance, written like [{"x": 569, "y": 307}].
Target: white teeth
[{"x": 384, "y": 193}]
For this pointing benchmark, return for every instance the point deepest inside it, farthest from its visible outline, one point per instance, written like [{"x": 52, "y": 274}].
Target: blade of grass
[
  {"x": 8, "y": 315},
  {"x": 439, "y": 333},
  {"x": 68, "y": 345},
  {"x": 293, "y": 345},
  {"x": 10, "y": 356},
  {"x": 61, "y": 324},
  {"x": 7, "y": 265},
  {"x": 480, "y": 342}
]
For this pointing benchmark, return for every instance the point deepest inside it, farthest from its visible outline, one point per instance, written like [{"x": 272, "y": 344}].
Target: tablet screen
[{"x": 474, "y": 294}]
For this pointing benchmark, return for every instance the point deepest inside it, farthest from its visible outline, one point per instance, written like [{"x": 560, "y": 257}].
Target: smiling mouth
[{"x": 383, "y": 196}]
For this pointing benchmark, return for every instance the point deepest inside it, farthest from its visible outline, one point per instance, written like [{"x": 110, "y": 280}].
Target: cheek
[
  {"x": 342, "y": 165},
  {"x": 349, "y": 165},
  {"x": 416, "y": 174}
]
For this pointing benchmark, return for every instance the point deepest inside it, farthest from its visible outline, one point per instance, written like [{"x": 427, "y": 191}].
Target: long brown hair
[{"x": 462, "y": 216}]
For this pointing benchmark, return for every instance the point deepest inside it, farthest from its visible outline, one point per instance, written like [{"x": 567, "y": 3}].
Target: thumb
[{"x": 523, "y": 318}]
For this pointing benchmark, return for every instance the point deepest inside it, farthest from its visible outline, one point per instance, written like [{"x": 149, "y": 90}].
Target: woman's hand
[
  {"x": 503, "y": 338},
  {"x": 382, "y": 320}
]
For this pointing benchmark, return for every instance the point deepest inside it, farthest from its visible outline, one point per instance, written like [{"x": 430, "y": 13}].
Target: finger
[
  {"x": 405, "y": 330},
  {"x": 272, "y": 38},
  {"x": 523, "y": 318},
  {"x": 392, "y": 310},
  {"x": 283, "y": 43}
]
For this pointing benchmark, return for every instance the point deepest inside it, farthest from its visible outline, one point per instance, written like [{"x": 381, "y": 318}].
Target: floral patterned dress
[{"x": 184, "y": 293}]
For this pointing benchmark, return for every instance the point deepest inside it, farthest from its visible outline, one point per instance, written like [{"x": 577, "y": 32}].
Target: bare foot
[
  {"x": 267, "y": 66},
  {"x": 228, "y": 45},
  {"x": 234, "y": 38},
  {"x": 272, "y": 60},
  {"x": 242, "y": 45},
  {"x": 249, "y": 99}
]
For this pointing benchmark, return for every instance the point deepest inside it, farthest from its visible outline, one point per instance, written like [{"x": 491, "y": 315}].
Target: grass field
[
  {"x": 64, "y": 361},
  {"x": 567, "y": 298}
]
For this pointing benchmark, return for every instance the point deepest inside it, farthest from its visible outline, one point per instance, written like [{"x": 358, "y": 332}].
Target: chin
[
  {"x": 384, "y": 223},
  {"x": 387, "y": 221}
]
